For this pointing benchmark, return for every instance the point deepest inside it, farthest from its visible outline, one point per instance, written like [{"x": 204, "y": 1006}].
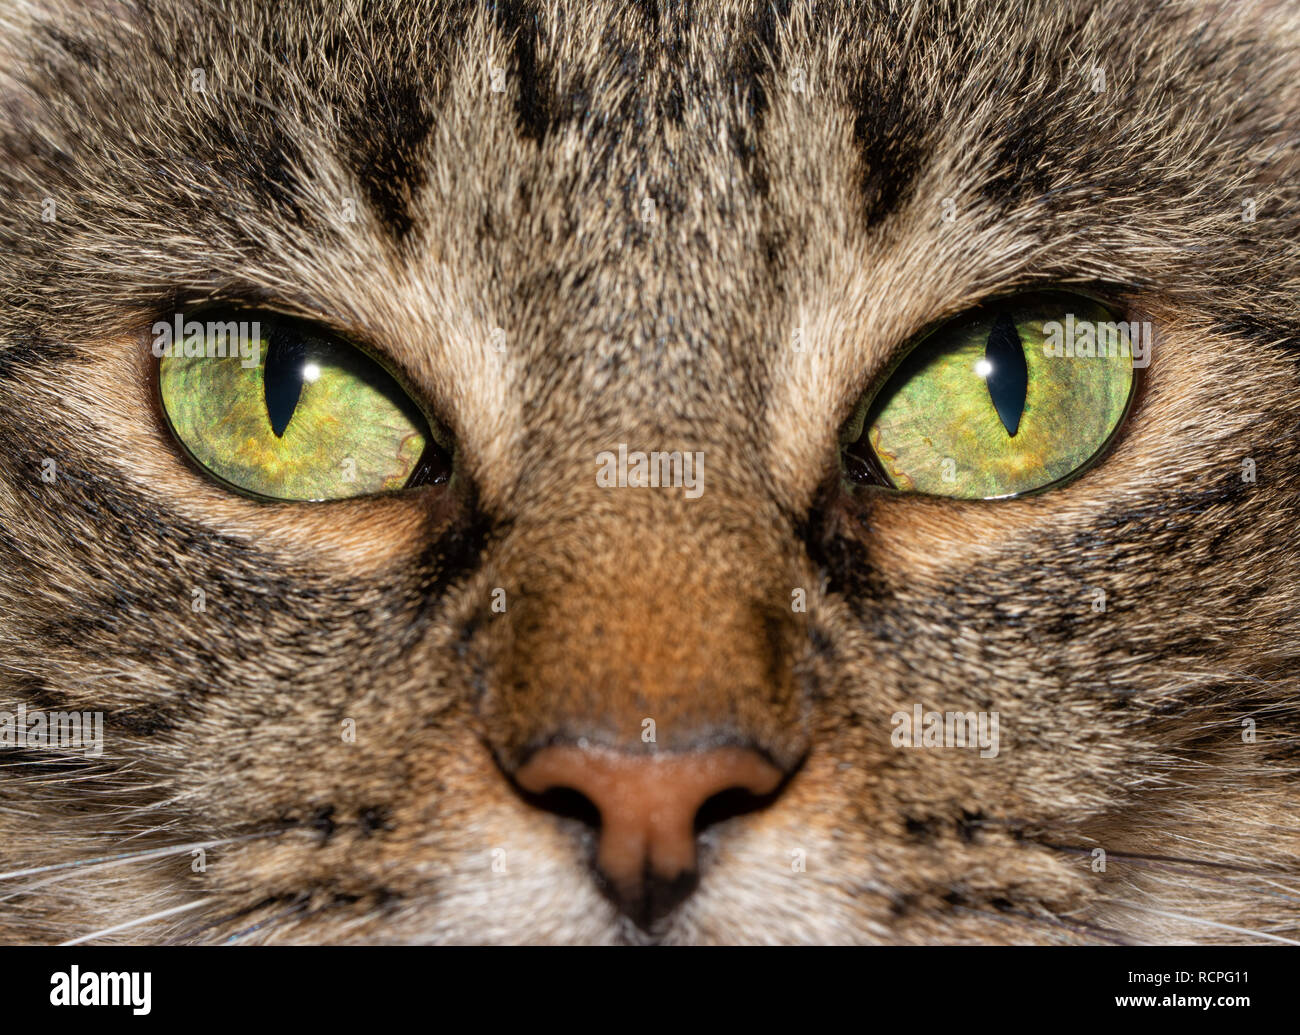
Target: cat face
[{"x": 638, "y": 656}]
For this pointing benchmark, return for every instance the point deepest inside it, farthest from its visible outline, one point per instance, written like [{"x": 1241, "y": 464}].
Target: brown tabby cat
[{"x": 512, "y": 700}]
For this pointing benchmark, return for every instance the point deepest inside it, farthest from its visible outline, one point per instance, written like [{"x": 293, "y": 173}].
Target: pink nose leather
[{"x": 647, "y": 803}]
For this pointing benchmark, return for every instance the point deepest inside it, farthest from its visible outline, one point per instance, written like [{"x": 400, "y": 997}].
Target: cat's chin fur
[{"x": 820, "y": 209}]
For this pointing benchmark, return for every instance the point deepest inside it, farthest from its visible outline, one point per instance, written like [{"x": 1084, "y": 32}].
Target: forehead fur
[{"x": 653, "y": 197}]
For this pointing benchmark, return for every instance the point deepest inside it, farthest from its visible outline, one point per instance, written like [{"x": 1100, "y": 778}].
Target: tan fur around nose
[{"x": 639, "y": 633}]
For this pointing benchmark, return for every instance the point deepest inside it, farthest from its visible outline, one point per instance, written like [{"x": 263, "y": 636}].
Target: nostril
[
  {"x": 731, "y": 804},
  {"x": 566, "y": 803}
]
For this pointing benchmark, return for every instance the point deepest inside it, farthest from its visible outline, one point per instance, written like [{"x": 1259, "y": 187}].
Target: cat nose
[{"x": 651, "y": 809}]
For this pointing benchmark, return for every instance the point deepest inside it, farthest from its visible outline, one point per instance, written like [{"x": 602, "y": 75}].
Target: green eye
[
  {"x": 1014, "y": 397},
  {"x": 277, "y": 410}
]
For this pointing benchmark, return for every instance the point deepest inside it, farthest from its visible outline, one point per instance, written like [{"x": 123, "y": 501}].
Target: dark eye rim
[
  {"x": 436, "y": 465},
  {"x": 871, "y": 473}
]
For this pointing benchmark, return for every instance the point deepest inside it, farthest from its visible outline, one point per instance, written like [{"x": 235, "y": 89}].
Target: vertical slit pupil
[
  {"x": 282, "y": 379},
  {"x": 1008, "y": 373}
]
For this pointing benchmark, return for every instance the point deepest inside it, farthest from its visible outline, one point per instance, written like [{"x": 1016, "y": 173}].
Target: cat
[{"x": 505, "y": 701}]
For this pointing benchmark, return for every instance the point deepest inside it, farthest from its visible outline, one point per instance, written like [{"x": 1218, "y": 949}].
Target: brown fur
[{"x": 777, "y": 210}]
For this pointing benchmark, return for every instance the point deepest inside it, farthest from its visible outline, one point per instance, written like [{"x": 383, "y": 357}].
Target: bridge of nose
[{"x": 657, "y": 637}]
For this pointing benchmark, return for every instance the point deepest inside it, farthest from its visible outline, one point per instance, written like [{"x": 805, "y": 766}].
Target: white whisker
[
  {"x": 140, "y": 856},
  {"x": 1205, "y": 923},
  {"x": 136, "y": 923}
]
